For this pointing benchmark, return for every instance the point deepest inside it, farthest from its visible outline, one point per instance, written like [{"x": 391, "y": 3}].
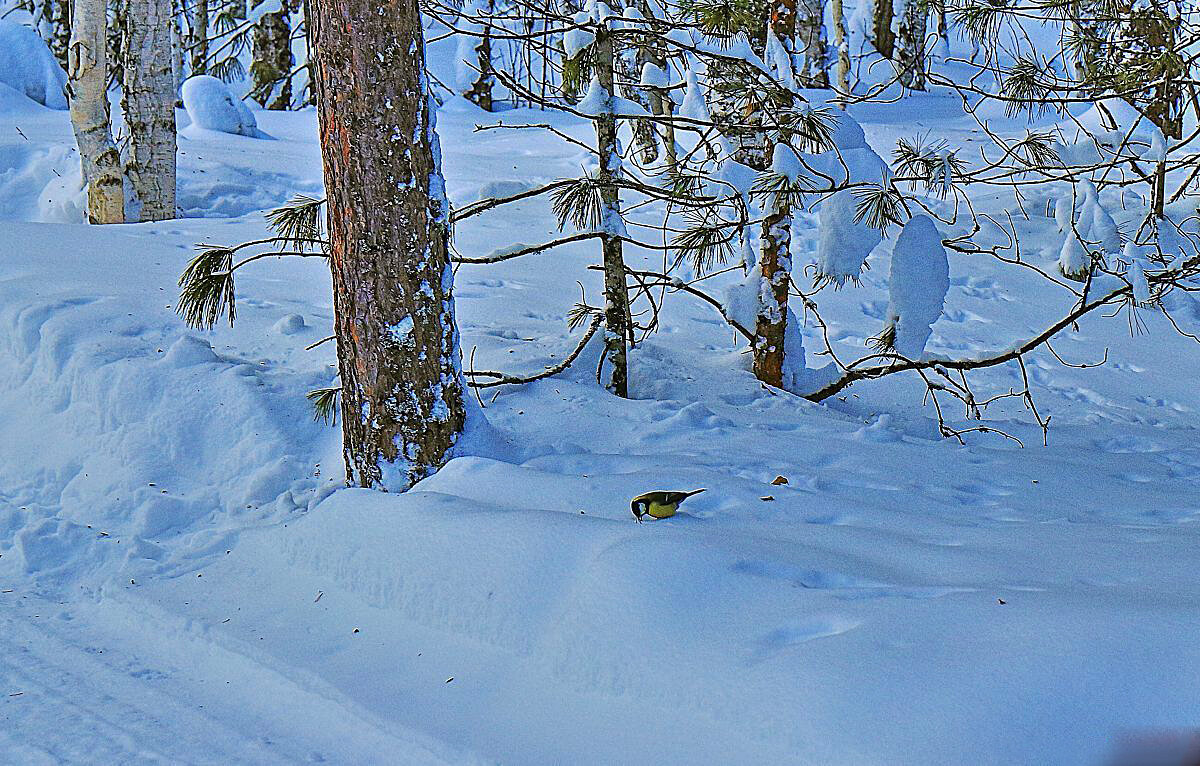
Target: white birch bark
[
  {"x": 88, "y": 86},
  {"x": 149, "y": 103}
]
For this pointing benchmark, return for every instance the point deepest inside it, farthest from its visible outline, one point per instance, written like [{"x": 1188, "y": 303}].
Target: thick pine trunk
[
  {"x": 402, "y": 390},
  {"x": 616, "y": 292},
  {"x": 149, "y": 105},
  {"x": 273, "y": 60},
  {"x": 88, "y": 71}
]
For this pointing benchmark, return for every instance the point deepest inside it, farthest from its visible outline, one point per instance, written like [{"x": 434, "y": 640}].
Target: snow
[
  {"x": 918, "y": 285},
  {"x": 28, "y": 67},
  {"x": 596, "y": 101},
  {"x": 211, "y": 106},
  {"x": 844, "y": 243},
  {"x": 184, "y": 579},
  {"x": 695, "y": 104}
]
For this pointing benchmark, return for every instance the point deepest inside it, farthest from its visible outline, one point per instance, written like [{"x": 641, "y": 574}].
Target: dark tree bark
[
  {"x": 272, "y": 66},
  {"x": 775, "y": 260},
  {"x": 402, "y": 391},
  {"x": 481, "y": 89},
  {"x": 60, "y": 42},
  {"x": 616, "y": 292},
  {"x": 198, "y": 39},
  {"x": 884, "y": 39}
]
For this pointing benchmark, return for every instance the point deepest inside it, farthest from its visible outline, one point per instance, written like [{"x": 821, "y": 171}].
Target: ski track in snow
[{"x": 156, "y": 693}]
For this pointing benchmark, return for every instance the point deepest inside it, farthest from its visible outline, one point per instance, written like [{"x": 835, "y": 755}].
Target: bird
[{"x": 659, "y": 504}]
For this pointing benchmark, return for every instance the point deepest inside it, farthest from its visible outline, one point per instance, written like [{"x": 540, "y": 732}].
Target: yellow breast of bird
[{"x": 662, "y": 510}]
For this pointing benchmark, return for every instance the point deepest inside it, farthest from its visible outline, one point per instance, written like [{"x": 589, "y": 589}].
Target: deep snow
[{"x": 179, "y": 581}]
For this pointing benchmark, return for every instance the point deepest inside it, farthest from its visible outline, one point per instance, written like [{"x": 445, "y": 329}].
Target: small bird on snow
[{"x": 659, "y": 504}]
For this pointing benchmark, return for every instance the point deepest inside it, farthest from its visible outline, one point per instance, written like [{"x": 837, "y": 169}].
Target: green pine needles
[{"x": 206, "y": 288}]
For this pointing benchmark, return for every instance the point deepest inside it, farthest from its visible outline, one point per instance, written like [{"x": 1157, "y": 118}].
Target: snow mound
[
  {"x": 211, "y": 106},
  {"x": 28, "y": 67}
]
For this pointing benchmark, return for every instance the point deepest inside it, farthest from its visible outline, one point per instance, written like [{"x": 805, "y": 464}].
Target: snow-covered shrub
[
  {"x": 844, "y": 243},
  {"x": 28, "y": 67},
  {"x": 917, "y": 288},
  {"x": 1093, "y": 234},
  {"x": 211, "y": 106}
]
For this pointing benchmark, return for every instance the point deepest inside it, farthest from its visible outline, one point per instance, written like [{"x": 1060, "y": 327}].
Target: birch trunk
[
  {"x": 149, "y": 105},
  {"x": 88, "y": 86},
  {"x": 616, "y": 293},
  {"x": 402, "y": 390},
  {"x": 178, "y": 67}
]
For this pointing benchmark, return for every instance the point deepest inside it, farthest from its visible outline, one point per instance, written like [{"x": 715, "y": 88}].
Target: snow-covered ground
[{"x": 183, "y": 581}]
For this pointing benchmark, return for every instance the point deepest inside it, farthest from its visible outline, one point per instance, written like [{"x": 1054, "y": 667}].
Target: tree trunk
[
  {"x": 910, "y": 50},
  {"x": 774, "y": 261},
  {"x": 60, "y": 42},
  {"x": 884, "y": 39},
  {"x": 198, "y": 42},
  {"x": 273, "y": 60},
  {"x": 402, "y": 390},
  {"x": 42, "y": 12},
  {"x": 481, "y": 89},
  {"x": 178, "y": 66},
  {"x": 810, "y": 34},
  {"x": 149, "y": 104},
  {"x": 88, "y": 71},
  {"x": 616, "y": 293},
  {"x": 116, "y": 43},
  {"x": 842, "y": 68}
]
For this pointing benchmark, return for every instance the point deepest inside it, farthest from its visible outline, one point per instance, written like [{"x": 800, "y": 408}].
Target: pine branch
[
  {"x": 580, "y": 204},
  {"x": 206, "y": 289},
  {"x": 298, "y": 223},
  {"x": 325, "y": 403}
]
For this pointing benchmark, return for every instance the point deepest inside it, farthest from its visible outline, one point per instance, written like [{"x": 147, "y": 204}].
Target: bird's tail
[{"x": 693, "y": 492}]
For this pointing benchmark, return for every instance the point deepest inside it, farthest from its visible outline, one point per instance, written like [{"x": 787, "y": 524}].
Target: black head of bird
[{"x": 659, "y": 504}]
